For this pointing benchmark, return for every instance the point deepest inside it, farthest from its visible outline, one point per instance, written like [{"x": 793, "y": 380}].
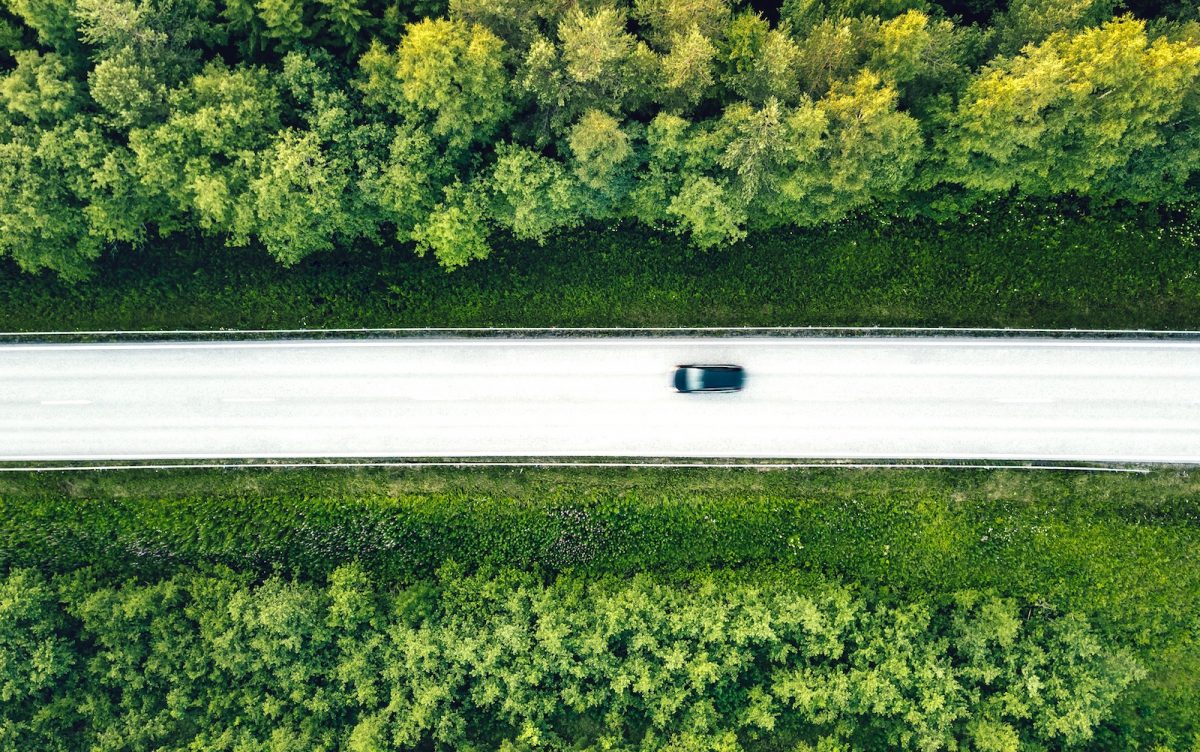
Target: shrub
[{"x": 207, "y": 661}]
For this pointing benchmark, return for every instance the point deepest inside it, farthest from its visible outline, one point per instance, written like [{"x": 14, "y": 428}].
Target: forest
[{"x": 302, "y": 126}]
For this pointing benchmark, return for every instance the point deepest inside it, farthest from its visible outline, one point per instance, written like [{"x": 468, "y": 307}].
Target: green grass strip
[{"x": 1013, "y": 267}]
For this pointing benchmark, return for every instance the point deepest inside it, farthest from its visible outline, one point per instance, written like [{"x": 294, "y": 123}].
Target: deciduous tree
[
  {"x": 51, "y": 20},
  {"x": 505, "y": 661},
  {"x": 757, "y": 61},
  {"x": 1098, "y": 113},
  {"x": 532, "y": 195},
  {"x": 603, "y": 160},
  {"x": 848, "y": 150},
  {"x": 457, "y": 229},
  {"x": 40, "y": 89},
  {"x": 662, "y": 21},
  {"x": 517, "y": 22},
  {"x": 1032, "y": 21},
  {"x": 455, "y": 74},
  {"x": 596, "y": 65},
  {"x": 203, "y": 158},
  {"x": 687, "y": 70}
]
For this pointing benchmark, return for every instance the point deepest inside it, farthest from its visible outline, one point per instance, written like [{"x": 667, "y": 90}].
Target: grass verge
[{"x": 1013, "y": 267}]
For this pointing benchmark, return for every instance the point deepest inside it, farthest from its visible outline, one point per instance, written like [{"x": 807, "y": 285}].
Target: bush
[{"x": 207, "y": 661}]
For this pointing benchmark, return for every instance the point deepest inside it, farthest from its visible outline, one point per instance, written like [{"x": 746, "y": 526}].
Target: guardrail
[
  {"x": 543, "y": 463},
  {"x": 550, "y": 332}
]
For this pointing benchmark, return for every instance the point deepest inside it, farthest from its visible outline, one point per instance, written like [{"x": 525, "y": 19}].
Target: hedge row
[
  {"x": 1107, "y": 544},
  {"x": 210, "y": 662},
  {"x": 1014, "y": 265}
]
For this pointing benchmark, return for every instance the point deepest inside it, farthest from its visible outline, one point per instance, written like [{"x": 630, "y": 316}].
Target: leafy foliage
[
  {"x": 1104, "y": 112},
  {"x": 203, "y": 159},
  {"x": 503, "y": 661},
  {"x": 455, "y": 73},
  {"x": 726, "y": 121}
]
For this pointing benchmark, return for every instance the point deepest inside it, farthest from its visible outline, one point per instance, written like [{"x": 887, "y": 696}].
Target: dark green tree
[{"x": 204, "y": 157}]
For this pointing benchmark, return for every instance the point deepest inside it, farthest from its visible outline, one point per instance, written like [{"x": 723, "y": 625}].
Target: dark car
[{"x": 698, "y": 378}]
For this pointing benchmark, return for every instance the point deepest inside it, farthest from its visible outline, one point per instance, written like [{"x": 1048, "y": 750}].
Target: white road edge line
[
  {"x": 544, "y": 465},
  {"x": 568, "y": 329},
  {"x": 66, "y": 402},
  {"x": 247, "y": 399},
  {"x": 600, "y": 342}
]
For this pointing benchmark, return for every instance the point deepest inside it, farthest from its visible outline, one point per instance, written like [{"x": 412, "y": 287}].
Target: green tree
[
  {"x": 687, "y": 70},
  {"x": 141, "y": 51},
  {"x": 42, "y": 225},
  {"x": 376, "y": 78},
  {"x": 70, "y": 190},
  {"x": 684, "y": 185},
  {"x": 662, "y": 21},
  {"x": 11, "y": 38},
  {"x": 40, "y": 89},
  {"x": 1097, "y": 113},
  {"x": 926, "y": 58},
  {"x": 128, "y": 89},
  {"x": 299, "y": 198},
  {"x": 203, "y": 158},
  {"x": 405, "y": 183},
  {"x": 455, "y": 74},
  {"x": 596, "y": 65},
  {"x": 757, "y": 62},
  {"x": 52, "y": 21},
  {"x": 345, "y": 20},
  {"x": 457, "y": 229},
  {"x": 603, "y": 161},
  {"x": 850, "y": 149},
  {"x": 1032, "y": 21},
  {"x": 314, "y": 191},
  {"x": 246, "y": 27},
  {"x": 284, "y": 20},
  {"x": 533, "y": 195},
  {"x": 671, "y": 149},
  {"x": 832, "y": 51},
  {"x": 709, "y": 211},
  {"x": 39, "y": 665},
  {"x": 506, "y": 661},
  {"x": 902, "y": 46},
  {"x": 754, "y": 144},
  {"x": 517, "y": 22}
]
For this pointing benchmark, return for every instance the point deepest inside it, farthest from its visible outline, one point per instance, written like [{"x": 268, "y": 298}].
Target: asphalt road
[{"x": 854, "y": 398}]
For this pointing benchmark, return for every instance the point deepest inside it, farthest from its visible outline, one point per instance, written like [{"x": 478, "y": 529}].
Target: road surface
[{"x": 851, "y": 398}]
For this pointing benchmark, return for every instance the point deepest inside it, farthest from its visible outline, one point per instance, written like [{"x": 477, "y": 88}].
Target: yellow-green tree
[
  {"x": 449, "y": 73},
  {"x": 603, "y": 161},
  {"x": 1106, "y": 112},
  {"x": 842, "y": 153}
]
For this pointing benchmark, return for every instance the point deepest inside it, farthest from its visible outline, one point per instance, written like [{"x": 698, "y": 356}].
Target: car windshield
[{"x": 695, "y": 379}]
